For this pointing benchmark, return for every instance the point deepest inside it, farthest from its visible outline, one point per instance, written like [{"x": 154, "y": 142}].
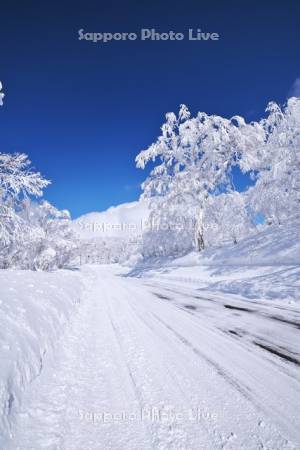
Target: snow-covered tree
[
  {"x": 195, "y": 157},
  {"x": 277, "y": 163},
  {"x": 17, "y": 182},
  {"x": 191, "y": 179},
  {"x": 18, "y": 179},
  {"x": 32, "y": 235},
  {"x": 227, "y": 219}
]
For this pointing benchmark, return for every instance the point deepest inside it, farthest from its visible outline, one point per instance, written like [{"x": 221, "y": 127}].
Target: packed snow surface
[{"x": 151, "y": 363}]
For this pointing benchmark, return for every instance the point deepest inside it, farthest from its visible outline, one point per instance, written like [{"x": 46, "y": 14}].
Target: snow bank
[
  {"x": 273, "y": 245},
  {"x": 281, "y": 283},
  {"x": 264, "y": 266},
  {"x": 34, "y": 310}
]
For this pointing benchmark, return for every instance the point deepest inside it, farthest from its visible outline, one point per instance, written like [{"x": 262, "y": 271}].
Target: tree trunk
[
  {"x": 200, "y": 232},
  {"x": 200, "y": 242}
]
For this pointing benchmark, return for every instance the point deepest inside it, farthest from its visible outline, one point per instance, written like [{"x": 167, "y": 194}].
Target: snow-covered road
[{"x": 151, "y": 364}]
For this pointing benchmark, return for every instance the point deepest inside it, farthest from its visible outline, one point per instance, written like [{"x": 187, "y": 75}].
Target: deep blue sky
[{"x": 82, "y": 111}]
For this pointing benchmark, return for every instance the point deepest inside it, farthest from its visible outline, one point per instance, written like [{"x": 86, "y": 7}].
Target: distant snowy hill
[{"x": 120, "y": 221}]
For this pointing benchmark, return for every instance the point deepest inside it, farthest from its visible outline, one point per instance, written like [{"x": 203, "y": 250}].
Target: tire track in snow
[
  {"x": 122, "y": 352},
  {"x": 151, "y": 304},
  {"x": 151, "y": 390}
]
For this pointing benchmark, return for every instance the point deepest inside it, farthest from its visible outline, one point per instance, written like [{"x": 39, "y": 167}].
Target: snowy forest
[{"x": 193, "y": 202}]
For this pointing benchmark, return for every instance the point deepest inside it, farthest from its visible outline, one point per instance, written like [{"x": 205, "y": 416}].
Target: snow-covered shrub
[
  {"x": 40, "y": 238},
  {"x": 108, "y": 250},
  {"x": 51, "y": 243}
]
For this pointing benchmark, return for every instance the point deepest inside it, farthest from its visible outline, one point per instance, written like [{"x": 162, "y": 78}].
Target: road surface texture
[{"x": 152, "y": 364}]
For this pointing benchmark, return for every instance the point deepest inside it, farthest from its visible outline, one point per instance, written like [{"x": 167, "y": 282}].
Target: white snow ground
[
  {"x": 34, "y": 310},
  {"x": 154, "y": 363},
  {"x": 264, "y": 266}
]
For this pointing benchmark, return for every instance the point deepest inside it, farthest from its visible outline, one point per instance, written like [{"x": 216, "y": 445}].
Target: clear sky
[{"x": 83, "y": 110}]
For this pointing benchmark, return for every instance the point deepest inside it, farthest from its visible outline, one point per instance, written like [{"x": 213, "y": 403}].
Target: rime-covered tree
[
  {"x": 277, "y": 164},
  {"x": 194, "y": 158},
  {"x": 51, "y": 243},
  {"x": 32, "y": 235},
  {"x": 17, "y": 182},
  {"x": 227, "y": 219}
]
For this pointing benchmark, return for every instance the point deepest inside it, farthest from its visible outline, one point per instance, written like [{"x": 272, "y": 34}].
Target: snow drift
[
  {"x": 262, "y": 266},
  {"x": 272, "y": 245},
  {"x": 34, "y": 310}
]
